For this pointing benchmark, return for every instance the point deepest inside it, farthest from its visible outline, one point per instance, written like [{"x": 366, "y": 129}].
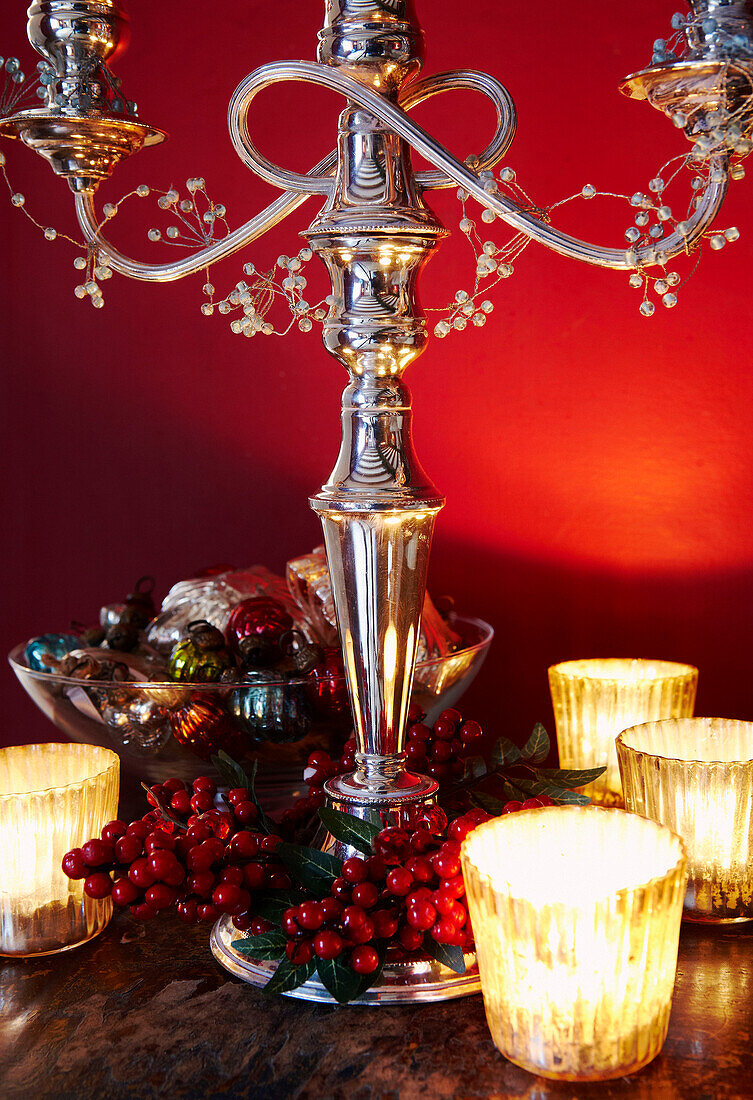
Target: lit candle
[
  {"x": 595, "y": 699},
  {"x": 52, "y": 798},
  {"x": 576, "y": 916},
  {"x": 695, "y": 775}
]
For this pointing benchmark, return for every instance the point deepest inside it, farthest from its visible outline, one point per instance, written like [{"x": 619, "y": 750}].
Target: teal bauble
[
  {"x": 267, "y": 709},
  {"x": 49, "y": 645}
]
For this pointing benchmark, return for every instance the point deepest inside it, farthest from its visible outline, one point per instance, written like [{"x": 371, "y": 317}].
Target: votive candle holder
[
  {"x": 595, "y": 699},
  {"x": 695, "y": 775},
  {"x": 53, "y": 797},
  {"x": 576, "y": 917}
]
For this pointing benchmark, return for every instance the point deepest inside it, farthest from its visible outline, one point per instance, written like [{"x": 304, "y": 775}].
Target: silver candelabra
[{"x": 374, "y": 233}]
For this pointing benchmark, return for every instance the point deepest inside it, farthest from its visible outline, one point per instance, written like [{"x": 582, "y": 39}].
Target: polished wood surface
[{"x": 145, "y": 1011}]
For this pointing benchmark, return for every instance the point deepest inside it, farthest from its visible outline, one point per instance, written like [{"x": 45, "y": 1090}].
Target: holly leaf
[
  {"x": 536, "y": 747},
  {"x": 338, "y": 979},
  {"x": 448, "y": 954},
  {"x": 349, "y": 830},
  {"x": 165, "y": 810},
  {"x": 230, "y": 770},
  {"x": 287, "y": 976},
  {"x": 314, "y": 870},
  {"x": 271, "y": 904},
  {"x": 267, "y": 945},
  {"x": 475, "y": 767},
  {"x": 559, "y": 794},
  {"x": 504, "y": 752},
  {"x": 374, "y": 818},
  {"x": 488, "y": 802},
  {"x": 566, "y": 777}
]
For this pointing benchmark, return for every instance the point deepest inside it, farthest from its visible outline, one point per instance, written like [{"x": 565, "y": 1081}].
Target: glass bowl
[{"x": 276, "y": 721}]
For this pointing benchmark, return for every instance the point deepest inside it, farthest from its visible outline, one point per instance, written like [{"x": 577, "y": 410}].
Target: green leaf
[
  {"x": 504, "y": 752},
  {"x": 566, "y": 777},
  {"x": 287, "y": 976},
  {"x": 314, "y": 870},
  {"x": 349, "y": 829},
  {"x": 446, "y": 953},
  {"x": 271, "y": 904},
  {"x": 267, "y": 945},
  {"x": 475, "y": 767},
  {"x": 338, "y": 979},
  {"x": 536, "y": 747},
  {"x": 374, "y": 818},
  {"x": 487, "y": 802},
  {"x": 230, "y": 770},
  {"x": 559, "y": 794}
]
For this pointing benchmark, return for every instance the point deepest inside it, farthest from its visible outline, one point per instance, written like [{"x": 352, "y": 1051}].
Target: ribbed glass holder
[
  {"x": 52, "y": 798},
  {"x": 595, "y": 699},
  {"x": 695, "y": 775},
  {"x": 576, "y": 916}
]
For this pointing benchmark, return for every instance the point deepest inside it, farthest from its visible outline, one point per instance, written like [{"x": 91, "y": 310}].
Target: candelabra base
[{"x": 401, "y": 980}]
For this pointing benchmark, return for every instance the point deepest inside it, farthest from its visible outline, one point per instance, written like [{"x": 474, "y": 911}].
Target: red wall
[{"x": 597, "y": 464}]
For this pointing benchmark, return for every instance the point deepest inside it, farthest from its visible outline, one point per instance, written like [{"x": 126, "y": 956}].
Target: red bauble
[
  {"x": 260, "y": 617},
  {"x": 329, "y": 694},
  {"x": 204, "y": 726}
]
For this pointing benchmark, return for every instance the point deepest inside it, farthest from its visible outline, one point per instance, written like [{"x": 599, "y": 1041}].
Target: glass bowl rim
[
  {"x": 15, "y": 659},
  {"x": 747, "y": 762},
  {"x": 682, "y": 669},
  {"x": 676, "y": 868},
  {"x": 62, "y": 786}
]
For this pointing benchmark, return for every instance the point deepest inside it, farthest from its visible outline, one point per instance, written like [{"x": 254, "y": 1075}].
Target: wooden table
[{"x": 145, "y": 1011}]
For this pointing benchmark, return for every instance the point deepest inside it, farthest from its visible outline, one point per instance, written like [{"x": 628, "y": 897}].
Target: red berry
[
  {"x": 180, "y": 803},
  {"x": 454, "y": 886},
  {"x": 237, "y": 794},
  {"x": 204, "y": 783},
  {"x": 415, "y": 753},
  {"x": 156, "y": 794},
  {"x": 232, "y": 874},
  {"x": 277, "y": 880},
  {"x": 441, "y": 752},
  {"x": 201, "y": 802},
  {"x": 364, "y": 959},
  {"x": 460, "y": 829},
  {"x": 253, "y": 875},
  {"x": 319, "y": 759},
  {"x": 444, "y": 730},
  {"x": 446, "y": 864},
  {"x": 160, "y": 896},
  {"x": 332, "y": 909},
  {"x": 355, "y": 870},
  {"x": 376, "y": 868},
  {"x": 512, "y": 807},
  {"x": 451, "y": 715},
  {"x": 255, "y": 925},
  {"x": 421, "y": 841},
  {"x": 74, "y": 865},
  {"x": 138, "y": 828},
  {"x": 421, "y": 870},
  {"x": 289, "y": 921},
  {"x": 444, "y": 931},
  {"x": 143, "y": 911},
  {"x": 422, "y": 893},
  {"x": 128, "y": 848},
  {"x": 421, "y": 916},
  {"x": 112, "y": 830},
  {"x": 478, "y": 816},
  {"x": 187, "y": 910},
  {"x": 342, "y": 890},
  {"x": 269, "y": 843},
  {"x": 197, "y": 830},
  {"x": 470, "y": 733},
  {"x": 98, "y": 885},
  {"x": 183, "y": 845},
  {"x": 410, "y": 938},
  {"x": 399, "y": 881},
  {"x": 419, "y": 732},
  {"x": 365, "y": 894},
  {"x": 300, "y": 952},
  {"x": 531, "y": 804},
  {"x": 228, "y": 897},
  {"x": 440, "y": 772},
  {"x": 173, "y": 785},
  {"x": 162, "y": 864},
  {"x": 244, "y": 845},
  {"x": 124, "y": 892},
  {"x": 246, "y": 812},
  {"x": 545, "y": 800},
  {"x": 310, "y": 915},
  {"x": 207, "y": 912},
  {"x": 393, "y": 845},
  {"x": 159, "y": 839},
  {"x": 415, "y": 714},
  {"x": 201, "y": 883},
  {"x": 141, "y": 874},
  {"x": 327, "y": 944},
  {"x": 432, "y": 818},
  {"x": 385, "y": 924},
  {"x": 98, "y": 853}
]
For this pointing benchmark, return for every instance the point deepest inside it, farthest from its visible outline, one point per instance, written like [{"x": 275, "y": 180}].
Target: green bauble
[
  {"x": 201, "y": 655},
  {"x": 268, "y": 710}
]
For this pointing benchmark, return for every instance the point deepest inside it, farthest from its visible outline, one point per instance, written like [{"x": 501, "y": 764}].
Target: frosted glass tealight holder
[
  {"x": 52, "y": 798},
  {"x": 596, "y": 699},
  {"x": 576, "y": 917},
  {"x": 695, "y": 775}
]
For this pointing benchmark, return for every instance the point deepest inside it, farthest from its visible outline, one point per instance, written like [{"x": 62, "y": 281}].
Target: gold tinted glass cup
[
  {"x": 595, "y": 699},
  {"x": 695, "y": 775},
  {"x": 576, "y": 916},
  {"x": 52, "y": 798}
]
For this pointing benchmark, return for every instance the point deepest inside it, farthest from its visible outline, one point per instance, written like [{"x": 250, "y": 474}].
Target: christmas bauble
[
  {"x": 200, "y": 657},
  {"x": 328, "y": 691},
  {"x": 260, "y": 617},
  {"x": 268, "y": 710},
  {"x": 204, "y": 727},
  {"x": 141, "y": 723},
  {"x": 49, "y": 645}
]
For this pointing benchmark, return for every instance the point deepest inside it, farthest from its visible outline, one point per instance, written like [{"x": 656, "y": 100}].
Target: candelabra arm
[{"x": 197, "y": 261}]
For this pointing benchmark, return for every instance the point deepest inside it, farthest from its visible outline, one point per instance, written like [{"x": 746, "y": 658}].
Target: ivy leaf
[
  {"x": 448, "y": 954},
  {"x": 287, "y": 976},
  {"x": 267, "y": 945},
  {"x": 565, "y": 777},
  {"x": 349, "y": 830},
  {"x": 504, "y": 752},
  {"x": 488, "y": 802},
  {"x": 338, "y": 979},
  {"x": 536, "y": 747},
  {"x": 273, "y": 903},
  {"x": 314, "y": 870},
  {"x": 475, "y": 767},
  {"x": 235, "y": 776},
  {"x": 165, "y": 810}
]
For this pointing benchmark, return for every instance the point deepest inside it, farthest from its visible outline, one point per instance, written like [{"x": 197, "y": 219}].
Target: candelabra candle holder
[{"x": 375, "y": 232}]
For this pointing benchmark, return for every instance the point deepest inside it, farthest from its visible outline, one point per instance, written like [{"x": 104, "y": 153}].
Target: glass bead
[
  {"x": 302, "y": 307},
  {"x": 467, "y": 308},
  {"x": 207, "y": 309},
  {"x": 589, "y": 191},
  {"x": 683, "y": 228},
  {"x": 320, "y": 314},
  {"x": 98, "y": 302},
  {"x": 288, "y": 284},
  {"x": 461, "y": 296},
  {"x": 485, "y": 265},
  {"x": 2, "y": 160},
  {"x": 91, "y": 287},
  {"x": 154, "y": 235},
  {"x": 186, "y": 206},
  {"x": 489, "y": 248},
  {"x": 656, "y": 231},
  {"x": 163, "y": 202},
  {"x": 305, "y": 324},
  {"x": 664, "y": 213},
  {"x": 208, "y": 289},
  {"x": 678, "y": 21},
  {"x": 98, "y": 272},
  {"x": 718, "y": 241},
  {"x": 647, "y": 308},
  {"x": 507, "y": 175},
  {"x": 305, "y": 254},
  {"x": 172, "y": 196},
  {"x": 491, "y": 187},
  {"x": 661, "y": 286},
  {"x": 708, "y": 26},
  {"x": 12, "y": 65},
  {"x": 673, "y": 278},
  {"x": 669, "y": 300},
  {"x": 80, "y": 291},
  {"x": 282, "y": 261},
  {"x": 249, "y": 269},
  {"x": 637, "y": 199},
  {"x": 660, "y": 45},
  {"x": 220, "y": 210},
  {"x": 332, "y": 300},
  {"x": 732, "y": 234},
  {"x": 173, "y": 232},
  {"x": 459, "y": 323},
  {"x": 192, "y": 184},
  {"x": 268, "y": 329},
  {"x": 488, "y": 216},
  {"x": 642, "y": 218},
  {"x": 79, "y": 263},
  {"x": 466, "y": 225},
  {"x": 635, "y": 280},
  {"x": 487, "y": 306},
  {"x": 294, "y": 264},
  {"x": 224, "y": 307},
  {"x": 461, "y": 194},
  {"x": 632, "y": 234},
  {"x": 233, "y": 297},
  {"x": 50, "y": 234},
  {"x": 441, "y": 329},
  {"x": 736, "y": 172},
  {"x": 106, "y": 272},
  {"x": 208, "y": 217},
  {"x": 109, "y": 209},
  {"x": 18, "y": 199},
  {"x": 479, "y": 319},
  {"x": 656, "y": 184},
  {"x": 505, "y": 270},
  {"x": 300, "y": 282},
  {"x": 142, "y": 190}
]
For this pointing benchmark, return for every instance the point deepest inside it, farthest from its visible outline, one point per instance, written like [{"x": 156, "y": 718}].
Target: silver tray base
[{"x": 401, "y": 982}]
